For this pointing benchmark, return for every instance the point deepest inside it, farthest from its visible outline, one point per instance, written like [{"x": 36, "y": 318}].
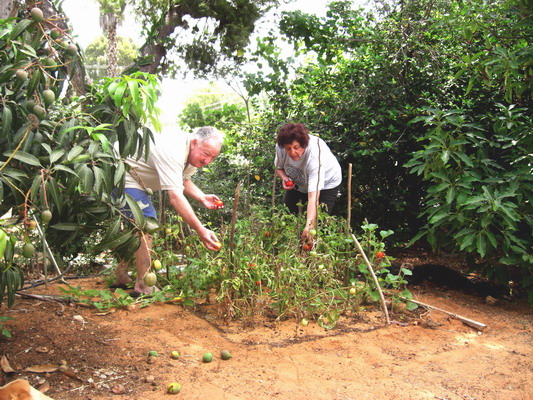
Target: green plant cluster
[{"x": 266, "y": 271}]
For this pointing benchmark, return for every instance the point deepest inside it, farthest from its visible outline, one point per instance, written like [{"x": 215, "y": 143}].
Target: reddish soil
[{"x": 435, "y": 356}]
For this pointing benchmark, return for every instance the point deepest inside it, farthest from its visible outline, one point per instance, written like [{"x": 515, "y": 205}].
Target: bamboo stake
[
  {"x": 234, "y": 219},
  {"x": 383, "y": 303},
  {"x": 470, "y": 322},
  {"x": 274, "y": 189},
  {"x": 349, "y": 216}
]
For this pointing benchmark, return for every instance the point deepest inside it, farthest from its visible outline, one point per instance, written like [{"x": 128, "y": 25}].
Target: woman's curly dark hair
[{"x": 290, "y": 132}]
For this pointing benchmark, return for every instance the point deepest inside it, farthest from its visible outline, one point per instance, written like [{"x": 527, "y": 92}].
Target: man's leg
[{"x": 142, "y": 261}]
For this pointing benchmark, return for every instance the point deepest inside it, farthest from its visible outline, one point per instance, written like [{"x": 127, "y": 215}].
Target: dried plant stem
[{"x": 383, "y": 303}]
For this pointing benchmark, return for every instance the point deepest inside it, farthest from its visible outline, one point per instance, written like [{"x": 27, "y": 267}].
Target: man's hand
[
  {"x": 212, "y": 202},
  {"x": 210, "y": 240}
]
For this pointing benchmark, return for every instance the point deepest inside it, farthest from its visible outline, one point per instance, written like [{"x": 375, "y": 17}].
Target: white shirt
[
  {"x": 317, "y": 168},
  {"x": 166, "y": 166}
]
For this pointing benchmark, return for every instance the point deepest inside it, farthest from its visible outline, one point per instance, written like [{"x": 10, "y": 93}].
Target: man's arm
[
  {"x": 191, "y": 190},
  {"x": 184, "y": 209}
]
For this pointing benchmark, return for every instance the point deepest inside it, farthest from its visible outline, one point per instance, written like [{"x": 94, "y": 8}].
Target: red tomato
[
  {"x": 219, "y": 203},
  {"x": 307, "y": 247},
  {"x": 289, "y": 184},
  {"x": 258, "y": 283},
  {"x": 267, "y": 234},
  {"x": 380, "y": 254}
]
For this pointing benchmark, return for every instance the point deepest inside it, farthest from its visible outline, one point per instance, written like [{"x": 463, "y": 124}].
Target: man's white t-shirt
[
  {"x": 166, "y": 166},
  {"x": 317, "y": 169}
]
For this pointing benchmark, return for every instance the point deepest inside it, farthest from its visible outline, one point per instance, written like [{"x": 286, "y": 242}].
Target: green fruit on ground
[
  {"x": 55, "y": 33},
  {"x": 156, "y": 265},
  {"x": 37, "y": 15},
  {"x": 21, "y": 75},
  {"x": 207, "y": 357},
  {"x": 304, "y": 322},
  {"x": 48, "y": 96},
  {"x": 175, "y": 355},
  {"x": 39, "y": 111},
  {"x": 352, "y": 291},
  {"x": 225, "y": 354},
  {"x": 150, "y": 279},
  {"x": 46, "y": 216},
  {"x": 27, "y": 250},
  {"x": 174, "y": 388},
  {"x": 153, "y": 353}
]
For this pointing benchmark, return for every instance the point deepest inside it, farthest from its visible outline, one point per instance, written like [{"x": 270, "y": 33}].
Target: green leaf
[
  {"x": 25, "y": 158},
  {"x": 66, "y": 226},
  {"x": 481, "y": 245},
  {"x": 135, "y": 210},
  {"x": 74, "y": 152},
  {"x": 7, "y": 119}
]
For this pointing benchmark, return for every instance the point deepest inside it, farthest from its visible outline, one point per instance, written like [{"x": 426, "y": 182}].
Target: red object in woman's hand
[
  {"x": 289, "y": 184},
  {"x": 219, "y": 203}
]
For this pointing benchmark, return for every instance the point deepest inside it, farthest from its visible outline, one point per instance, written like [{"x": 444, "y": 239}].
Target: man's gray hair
[{"x": 209, "y": 133}]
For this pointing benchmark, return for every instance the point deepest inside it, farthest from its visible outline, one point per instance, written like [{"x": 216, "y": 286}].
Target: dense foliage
[{"x": 430, "y": 101}]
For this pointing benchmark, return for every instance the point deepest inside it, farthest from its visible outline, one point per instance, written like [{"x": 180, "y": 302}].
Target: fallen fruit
[
  {"x": 46, "y": 216},
  {"x": 27, "y": 250},
  {"x": 267, "y": 234},
  {"x": 37, "y": 15},
  {"x": 258, "y": 283},
  {"x": 150, "y": 279},
  {"x": 156, "y": 265},
  {"x": 225, "y": 354},
  {"x": 304, "y": 322},
  {"x": 352, "y": 291},
  {"x": 174, "y": 388},
  {"x": 153, "y": 353},
  {"x": 175, "y": 355},
  {"x": 207, "y": 357}
]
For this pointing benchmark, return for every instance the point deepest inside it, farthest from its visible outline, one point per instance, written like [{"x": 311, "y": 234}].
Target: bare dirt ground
[{"x": 435, "y": 356}]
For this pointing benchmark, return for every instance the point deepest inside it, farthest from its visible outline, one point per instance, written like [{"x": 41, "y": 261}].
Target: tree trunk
[
  {"x": 112, "y": 51},
  {"x": 8, "y": 8}
]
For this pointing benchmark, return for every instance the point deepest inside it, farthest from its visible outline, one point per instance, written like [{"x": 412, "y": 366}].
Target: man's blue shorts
[{"x": 144, "y": 201}]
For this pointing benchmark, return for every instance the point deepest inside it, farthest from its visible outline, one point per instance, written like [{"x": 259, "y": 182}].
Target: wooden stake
[
  {"x": 467, "y": 321},
  {"x": 234, "y": 219},
  {"x": 376, "y": 281},
  {"x": 349, "y": 216}
]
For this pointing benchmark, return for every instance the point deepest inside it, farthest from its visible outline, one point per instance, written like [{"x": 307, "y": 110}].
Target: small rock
[
  {"x": 490, "y": 300},
  {"x": 149, "y": 379},
  {"x": 118, "y": 389}
]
